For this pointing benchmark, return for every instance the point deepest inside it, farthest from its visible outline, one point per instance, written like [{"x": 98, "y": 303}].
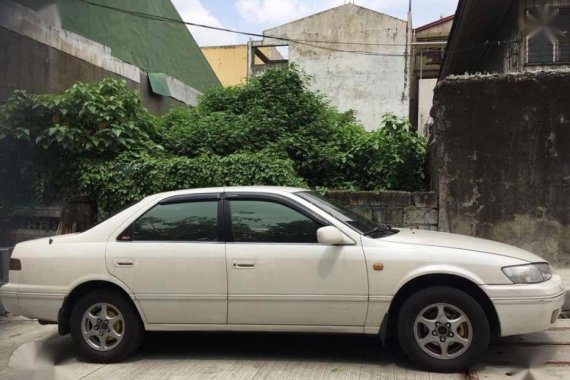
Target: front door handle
[
  {"x": 243, "y": 264},
  {"x": 122, "y": 262}
]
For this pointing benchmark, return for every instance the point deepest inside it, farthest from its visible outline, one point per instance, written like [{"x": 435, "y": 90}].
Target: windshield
[{"x": 340, "y": 212}]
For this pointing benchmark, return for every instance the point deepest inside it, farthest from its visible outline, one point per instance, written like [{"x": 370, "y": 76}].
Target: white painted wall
[
  {"x": 425, "y": 102},
  {"x": 369, "y": 84}
]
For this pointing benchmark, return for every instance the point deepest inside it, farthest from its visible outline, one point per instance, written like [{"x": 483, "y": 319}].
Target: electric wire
[{"x": 310, "y": 43}]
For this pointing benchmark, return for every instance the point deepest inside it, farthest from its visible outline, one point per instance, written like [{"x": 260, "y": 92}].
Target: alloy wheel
[
  {"x": 443, "y": 331},
  {"x": 103, "y": 326}
]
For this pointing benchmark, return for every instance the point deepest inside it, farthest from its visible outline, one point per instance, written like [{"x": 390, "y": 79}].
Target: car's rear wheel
[
  {"x": 105, "y": 326},
  {"x": 443, "y": 329}
]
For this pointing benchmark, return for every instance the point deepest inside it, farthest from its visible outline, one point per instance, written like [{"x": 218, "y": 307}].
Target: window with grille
[{"x": 547, "y": 35}]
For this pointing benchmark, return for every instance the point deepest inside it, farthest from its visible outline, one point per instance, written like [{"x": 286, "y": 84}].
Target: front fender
[{"x": 440, "y": 269}]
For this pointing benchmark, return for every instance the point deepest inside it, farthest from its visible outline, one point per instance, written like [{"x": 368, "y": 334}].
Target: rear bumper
[
  {"x": 44, "y": 306},
  {"x": 524, "y": 309},
  {"x": 9, "y": 298}
]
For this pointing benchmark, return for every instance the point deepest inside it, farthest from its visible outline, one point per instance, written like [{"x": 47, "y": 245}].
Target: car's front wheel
[
  {"x": 105, "y": 326},
  {"x": 443, "y": 329}
]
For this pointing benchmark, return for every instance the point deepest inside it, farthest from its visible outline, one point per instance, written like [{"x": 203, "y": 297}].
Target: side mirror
[{"x": 331, "y": 235}]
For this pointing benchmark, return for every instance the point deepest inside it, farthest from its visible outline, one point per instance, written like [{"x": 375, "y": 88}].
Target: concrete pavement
[{"x": 277, "y": 356}]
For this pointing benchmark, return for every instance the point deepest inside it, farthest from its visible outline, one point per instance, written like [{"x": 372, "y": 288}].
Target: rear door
[{"x": 173, "y": 260}]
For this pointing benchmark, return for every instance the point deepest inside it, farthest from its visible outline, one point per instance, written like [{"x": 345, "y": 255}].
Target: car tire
[
  {"x": 105, "y": 327},
  {"x": 443, "y": 329}
]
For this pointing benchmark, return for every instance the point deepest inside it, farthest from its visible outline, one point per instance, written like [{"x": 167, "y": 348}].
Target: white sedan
[{"x": 278, "y": 259}]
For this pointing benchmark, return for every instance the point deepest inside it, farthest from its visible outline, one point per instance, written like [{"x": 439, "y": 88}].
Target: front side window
[
  {"x": 187, "y": 221},
  {"x": 257, "y": 221},
  {"x": 345, "y": 215}
]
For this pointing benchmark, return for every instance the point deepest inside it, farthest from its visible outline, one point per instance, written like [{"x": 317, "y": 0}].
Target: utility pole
[{"x": 408, "y": 55}]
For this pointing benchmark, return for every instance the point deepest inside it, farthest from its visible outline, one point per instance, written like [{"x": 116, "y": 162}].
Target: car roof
[{"x": 240, "y": 189}]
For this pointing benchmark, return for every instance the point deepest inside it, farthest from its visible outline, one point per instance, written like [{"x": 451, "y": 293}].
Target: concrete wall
[
  {"x": 425, "y": 103},
  {"x": 29, "y": 223},
  {"x": 367, "y": 83},
  {"x": 37, "y": 68},
  {"x": 501, "y": 159},
  {"x": 396, "y": 208},
  {"x": 38, "y": 56}
]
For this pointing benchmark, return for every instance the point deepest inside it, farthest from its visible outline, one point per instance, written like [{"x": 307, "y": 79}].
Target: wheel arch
[
  {"x": 85, "y": 287},
  {"x": 389, "y": 326}
]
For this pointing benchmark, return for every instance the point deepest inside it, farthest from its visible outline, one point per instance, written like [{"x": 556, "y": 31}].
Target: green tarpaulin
[{"x": 158, "y": 84}]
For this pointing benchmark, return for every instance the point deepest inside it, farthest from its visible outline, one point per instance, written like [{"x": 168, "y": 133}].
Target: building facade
[
  {"x": 502, "y": 36},
  {"x": 230, "y": 62},
  {"x": 47, "y": 45},
  {"x": 428, "y": 49},
  {"x": 357, "y": 57}
]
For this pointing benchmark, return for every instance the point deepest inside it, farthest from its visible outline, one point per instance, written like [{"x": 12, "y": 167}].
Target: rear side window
[
  {"x": 256, "y": 221},
  {"x": 187, "y": 221}
]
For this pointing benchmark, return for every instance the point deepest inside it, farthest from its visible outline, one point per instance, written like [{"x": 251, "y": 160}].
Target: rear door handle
[
  {"x": 243, "y": 264},
  {"x": 124, "y": 262}
]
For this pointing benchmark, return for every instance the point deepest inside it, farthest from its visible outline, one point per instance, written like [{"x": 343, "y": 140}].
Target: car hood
[{"x": 460, "y": 242}]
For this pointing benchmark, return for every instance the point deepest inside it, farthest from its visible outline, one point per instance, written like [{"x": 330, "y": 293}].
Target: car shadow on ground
[
  {"x": 270, "y": 346},
  {"x": 231, "y": 346},
  {"x": 331, "y": 348}
]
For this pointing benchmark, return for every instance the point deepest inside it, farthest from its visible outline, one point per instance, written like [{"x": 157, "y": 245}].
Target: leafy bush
[
  {"x": 393, "y": 156},
  {"x": 132, "y": 177},
  {"x": 43, "y": 137},
  {"x": 98, "y": 141},
  {"x": 278, "y": 112}
]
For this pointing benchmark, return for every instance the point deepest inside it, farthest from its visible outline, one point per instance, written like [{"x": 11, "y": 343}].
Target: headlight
[{"x": 528, "y": 273}]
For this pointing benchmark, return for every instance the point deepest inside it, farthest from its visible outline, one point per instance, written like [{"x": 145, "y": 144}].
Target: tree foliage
[
  {"x": 97, "y": 140},
  {"x": 132, "y": 177},
  {"x": 43, "y": 138}
]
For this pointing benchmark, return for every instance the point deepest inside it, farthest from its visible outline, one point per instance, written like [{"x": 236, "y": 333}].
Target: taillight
[{"x": 15, "y": 264}]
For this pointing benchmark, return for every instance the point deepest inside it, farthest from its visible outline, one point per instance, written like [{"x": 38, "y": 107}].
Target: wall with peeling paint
[
  {"x": 370, "y": 77},
  {"x": 500, "y": 157},
  {"x": 395, "y": 208}
]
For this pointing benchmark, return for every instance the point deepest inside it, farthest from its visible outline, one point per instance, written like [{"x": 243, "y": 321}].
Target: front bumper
[{"x": 527, "y": 308}]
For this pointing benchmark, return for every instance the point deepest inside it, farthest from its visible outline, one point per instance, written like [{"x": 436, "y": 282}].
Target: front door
[
  {"x": 278, "y": 274},
  {"x": 173, "y": 260}
]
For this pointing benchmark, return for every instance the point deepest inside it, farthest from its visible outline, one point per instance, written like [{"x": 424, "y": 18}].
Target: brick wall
[{"x": 396, "y": 208}]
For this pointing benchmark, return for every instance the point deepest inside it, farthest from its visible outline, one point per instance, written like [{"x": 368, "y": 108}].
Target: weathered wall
[
  {"x": 37, "y": 68},
  {"x": 36, "y": 222},
  {"x": 38, "y": 56},
  {"x": 501, "y": 158},
  {"x": 373, "y": 83},
  {"x": 396, "y": 208},
  {"x": 425, "y": 103}
]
